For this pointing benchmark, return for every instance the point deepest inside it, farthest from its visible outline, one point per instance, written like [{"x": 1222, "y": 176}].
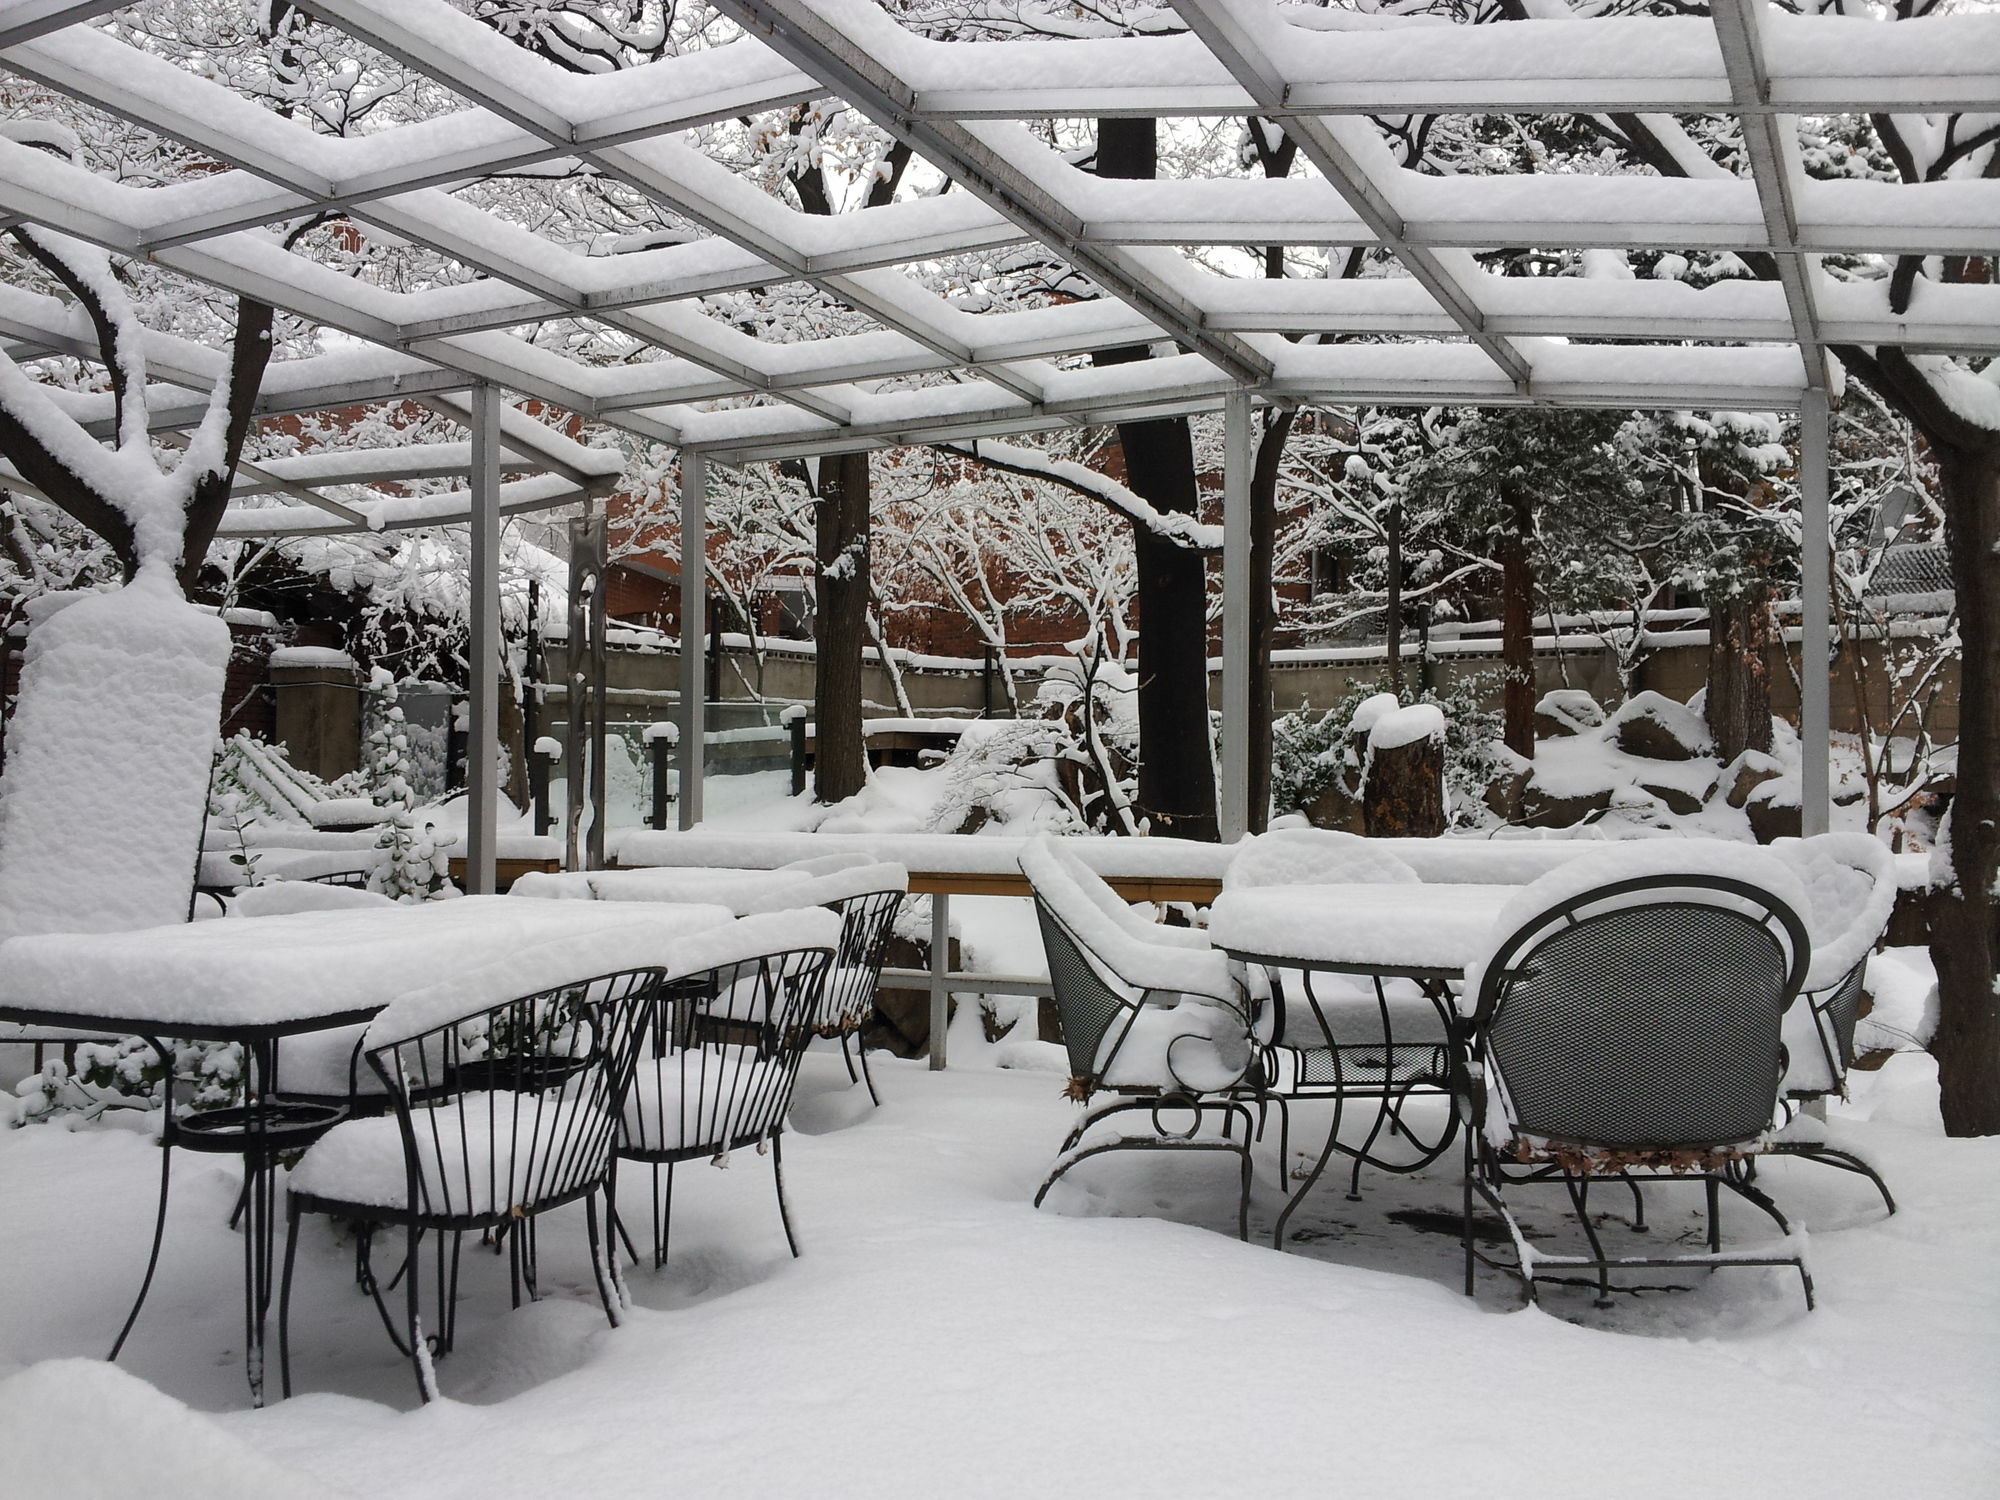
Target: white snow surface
[
  {"x": 286, "y": 969},
  {"x": 1403, "y": 925},
  {"x": 1313, "y": 856},
  {"x": 1405, "y": 726},
  {"x": 1024, "y": 1347},
  {"x": 1850, "y": 886},
  {"x": 108, "y": 758}
]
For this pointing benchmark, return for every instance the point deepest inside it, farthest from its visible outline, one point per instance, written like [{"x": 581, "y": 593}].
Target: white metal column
[
  {"x": 694, "y": 629},
  {"x": 1234, "y": 809},
  {"x": 482, "y": 742},
  {"x": 1815, "y": 605}
]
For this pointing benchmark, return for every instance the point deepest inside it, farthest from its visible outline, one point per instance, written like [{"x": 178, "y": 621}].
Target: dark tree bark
[
  {"x": 1965, "y": 920},
  {"x": 1517, "y": 621},
  {"x": 1403, "y": 795},
  {"x": 249, "y": 353},
  {"x": 1263, "y": 607},
  {"x": 840, "y": 627},
  {"x": 1176, "y": 767},
  {"x": 841, "y": 582},
  {"x": 1739, "y": 672}
]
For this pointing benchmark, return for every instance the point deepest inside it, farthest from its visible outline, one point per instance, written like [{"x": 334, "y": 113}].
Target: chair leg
[
  {"x": 420, "y": 1352},
  {"x": 867, "y": 1074},
  {"x": 1579, "y": 1197},
  {"x": 1465, "y": 1220},
  {"x": 1713, "y": 1187},
  {"x": 600, "y": 1261},
  {"x": 847, "y": 1057},
  {"x": 1846, "y": 1161},
  {"x": 285, "y": 1298},
  {"x": 663, "y": 1215},
  {"x": 159, "y": 1235},
  {"x": 1639, "y": 1225},
  {"x": 784, "y": 1209}
]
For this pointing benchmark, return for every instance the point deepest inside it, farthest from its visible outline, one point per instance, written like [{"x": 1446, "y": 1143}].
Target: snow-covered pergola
[{"x": 1446, "y": 332}]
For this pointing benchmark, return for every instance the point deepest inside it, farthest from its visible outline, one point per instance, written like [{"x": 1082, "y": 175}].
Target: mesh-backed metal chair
[
  {"x": 1156, "y": 1022},
  {"x": 496, "y": 1117},
  {"x": 1850, "y": 881},
  {"x": 1632, "y": 1031},
  {"x": 716, "y": 1071}
]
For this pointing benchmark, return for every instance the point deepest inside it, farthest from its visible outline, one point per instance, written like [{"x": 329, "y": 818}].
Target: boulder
[
  {"x": 1773, "y": 810},
  {"x": 1743, "y": 775},
  {"x": 1654, "y": 727},
  {"x": 1566, "y": 711},
  {"x": 1542, "y": 809},
  {"x": 1677, "y": 799}
]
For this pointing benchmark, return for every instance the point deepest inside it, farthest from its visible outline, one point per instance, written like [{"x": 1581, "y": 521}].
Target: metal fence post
[{"x": 940, "y": 970}]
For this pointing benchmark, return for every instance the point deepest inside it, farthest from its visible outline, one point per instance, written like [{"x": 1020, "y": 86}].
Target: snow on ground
[{"x": 941, "y": 1336}]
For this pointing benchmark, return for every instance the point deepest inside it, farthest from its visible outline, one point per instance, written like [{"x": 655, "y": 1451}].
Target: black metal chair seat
[{"x": 475, "y": 1161}]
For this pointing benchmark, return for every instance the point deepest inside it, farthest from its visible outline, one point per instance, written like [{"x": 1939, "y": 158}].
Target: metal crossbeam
[
  {"x": 1324, "y": 145},
  {"x": 802, "y": 35},
  {"x": 1771, "y": 141}
]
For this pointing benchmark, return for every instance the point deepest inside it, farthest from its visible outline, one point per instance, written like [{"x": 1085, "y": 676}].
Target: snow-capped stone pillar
[
  {"x": 694, "y": 621},
  {"x": 1815, "y": 603},
  {"x": 1234, "y": 807},
  {"x": 482, "y": 747}
]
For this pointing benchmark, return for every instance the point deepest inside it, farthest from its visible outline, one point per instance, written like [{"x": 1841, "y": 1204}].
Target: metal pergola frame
[{"x": 1446, "y": 332}]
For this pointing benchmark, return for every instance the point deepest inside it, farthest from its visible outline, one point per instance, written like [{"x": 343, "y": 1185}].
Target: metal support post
[
  {"x": 1815, "y": 626},
  {"x": 694, "y": 620},
  {"x": 482, "y": 750},
  {"x": 940, "y": 969},
  {"x": 1234, "y": 808}
]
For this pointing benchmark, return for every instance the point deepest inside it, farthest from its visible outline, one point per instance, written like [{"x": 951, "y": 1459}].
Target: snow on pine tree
[{"x": 410, "y": 866}]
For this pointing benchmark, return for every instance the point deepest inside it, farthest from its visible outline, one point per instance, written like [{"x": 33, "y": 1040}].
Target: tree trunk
[
  {"x": 1263, "y": 608},
  {"x": 1517, "y": 622},
  {"x": 1965, "y": 946},
  {"x": 1739, "y": 672},
  {"x": 1403, "y": 795},
  {"x": 1176, "y": 766},
  {"x": 840, "y": 758}
]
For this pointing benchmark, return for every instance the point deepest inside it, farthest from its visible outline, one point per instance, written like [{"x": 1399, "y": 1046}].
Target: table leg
[
  {"x": 940, "y": 970},
  {"x": 260, "y": 1065},
  {"x": 160, "y": 1051}
]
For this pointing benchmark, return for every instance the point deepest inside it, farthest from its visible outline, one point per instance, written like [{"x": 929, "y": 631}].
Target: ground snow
[{"x": 941, "y": 1336}]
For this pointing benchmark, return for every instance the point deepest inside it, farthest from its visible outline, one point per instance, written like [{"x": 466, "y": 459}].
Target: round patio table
[
  {"x": 257, "y": 981},
  {"x": 1374, "y": 934}
]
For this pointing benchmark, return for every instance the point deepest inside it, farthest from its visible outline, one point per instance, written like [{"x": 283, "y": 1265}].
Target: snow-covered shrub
[
  {"x": 1071, "y": 768},
  {"x": 410, "y": 864},
  {"x": 128, "y": 1074},
  {"x": 1312, "y": 752}
]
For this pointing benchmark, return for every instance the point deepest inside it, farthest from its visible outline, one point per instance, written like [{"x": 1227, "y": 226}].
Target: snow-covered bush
[{"x": 410, "y": 864}]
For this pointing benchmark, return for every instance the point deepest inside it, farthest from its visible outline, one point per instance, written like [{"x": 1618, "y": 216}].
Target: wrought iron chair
[
  {"x": 867, "y": 894},
  {"x": 496, "y": 1116},
  {"x": 720, "y": 1058},
  {"x": 1850, "y": 881},
  {"x": 1151, "y": 1016},
  {"x": 1631, "y": 1031}
]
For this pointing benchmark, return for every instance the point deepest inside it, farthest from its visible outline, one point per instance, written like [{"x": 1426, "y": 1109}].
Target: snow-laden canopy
[{"x": 928, "y": 369}]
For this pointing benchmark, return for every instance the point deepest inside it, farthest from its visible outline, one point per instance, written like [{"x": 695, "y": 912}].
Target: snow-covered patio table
[
  {"x": 1387, "y": 1032},
  {"x": 1421, "y": 931},
  {"x": 741, "y": 891},
  {"x": 257, "y": 980}
]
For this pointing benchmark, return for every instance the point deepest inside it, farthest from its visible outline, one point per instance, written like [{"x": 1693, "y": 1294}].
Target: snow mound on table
[
  {"x": 108, "y": 760},
  {"x": 532, "y": 967},
  {"x": 281, "y": 898},
  {"x": 1313, "y": 856},
  {"x": 54, "y": 1416}
]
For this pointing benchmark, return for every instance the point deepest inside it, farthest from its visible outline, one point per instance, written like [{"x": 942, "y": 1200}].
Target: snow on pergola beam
[{"x": 953, "y": 102}]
